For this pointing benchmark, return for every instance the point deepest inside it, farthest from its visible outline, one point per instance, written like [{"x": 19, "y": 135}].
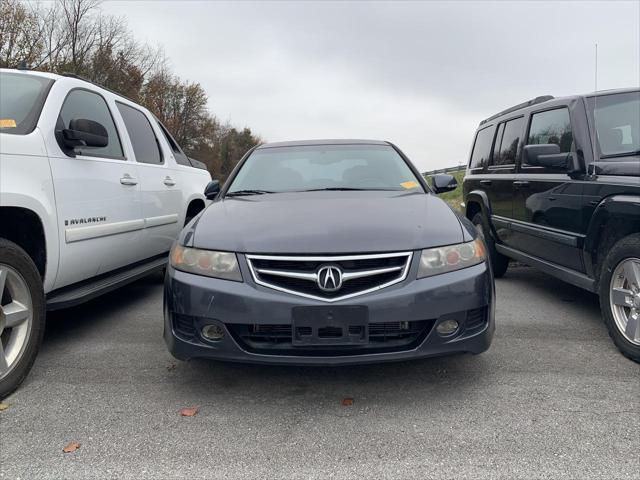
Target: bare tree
[
  {"x": 75, "y": 36},
  {"x": 81, "y": 33},
  {"x": 21, "y": 36}
]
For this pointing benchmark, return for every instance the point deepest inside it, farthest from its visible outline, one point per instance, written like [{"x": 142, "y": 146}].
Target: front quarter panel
[{"x": 25, "y": 182}]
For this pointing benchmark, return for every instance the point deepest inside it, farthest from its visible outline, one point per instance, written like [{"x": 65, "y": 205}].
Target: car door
[
  {"x": 501, "y": 170},
  {"x": 548, "y": 203},
  {"x": 159, "y": 185},
  {"x": 97, "y": 194}
]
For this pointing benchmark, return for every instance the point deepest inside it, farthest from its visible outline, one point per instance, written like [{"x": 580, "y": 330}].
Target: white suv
[{"x": 93, "y": 192}]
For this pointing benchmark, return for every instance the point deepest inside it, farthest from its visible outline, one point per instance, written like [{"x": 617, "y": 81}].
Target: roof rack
[
  {"x": 80, "y": 77},
  {"x": 535, "y": 101}
]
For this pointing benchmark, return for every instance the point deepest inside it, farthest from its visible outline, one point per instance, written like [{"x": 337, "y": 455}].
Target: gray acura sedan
[{"x": 328, "y": 252}]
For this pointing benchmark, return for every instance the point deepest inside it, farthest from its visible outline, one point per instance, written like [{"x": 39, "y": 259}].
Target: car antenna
[{"x": 595, "y": 112}]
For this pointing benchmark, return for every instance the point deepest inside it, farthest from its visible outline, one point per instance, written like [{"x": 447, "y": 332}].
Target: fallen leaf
[
  {"x": 347, "y": 402},
  {"x": 189, "y": 412},
  {"x": 171, "y": 367},
  {"x": 3, "y": 406},
  {"x": 72, "y": 447}
]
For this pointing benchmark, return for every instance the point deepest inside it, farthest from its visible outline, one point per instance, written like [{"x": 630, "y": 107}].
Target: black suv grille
[{"x": 358, "y": 274}]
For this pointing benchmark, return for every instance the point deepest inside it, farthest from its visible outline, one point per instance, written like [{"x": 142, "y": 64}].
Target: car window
[
  {"x": 481, "y": 148},
  {"x": 318, "y": 167},
  {"x": 496, "y": 145},
  {"x": 21, "y": 100},
  {"x": 617, "y": 121},
  {"x": 552, "y": 126},
  {"x": 86, "y": 105},
  {"x": 143, "y": 138},
  {"x": 178, "y": 154},
  {"x": 508, "y": 151}
]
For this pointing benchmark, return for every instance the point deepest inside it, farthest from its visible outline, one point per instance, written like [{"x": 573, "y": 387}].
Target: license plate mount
[{"x": 330, "y": 325}]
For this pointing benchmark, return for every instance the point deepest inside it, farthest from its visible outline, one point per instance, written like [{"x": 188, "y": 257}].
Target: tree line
[{"x": 76, "y": 36}]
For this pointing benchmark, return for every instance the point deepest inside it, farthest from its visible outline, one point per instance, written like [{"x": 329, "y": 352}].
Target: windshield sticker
[
  {"x": 7, "y": 123},
  {"x": 409, "y": 184}
]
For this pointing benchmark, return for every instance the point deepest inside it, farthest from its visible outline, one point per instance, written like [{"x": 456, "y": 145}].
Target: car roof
[
  {"x": 306, "y": 143},
  {"x": 548, "y": 98}
]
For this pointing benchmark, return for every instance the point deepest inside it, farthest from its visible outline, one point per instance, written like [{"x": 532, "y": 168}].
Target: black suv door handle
[
  {"x": 521, "y": 184},
  {"x": 485, "y": 182}
]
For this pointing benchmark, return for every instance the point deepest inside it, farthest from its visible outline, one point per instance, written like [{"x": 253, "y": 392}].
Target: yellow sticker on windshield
[
  {"x": 7, "y": 123},
  {"x": 409, "y": 184}
]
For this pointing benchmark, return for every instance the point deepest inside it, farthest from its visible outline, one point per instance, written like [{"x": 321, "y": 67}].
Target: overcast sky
[{"x": 420, "y": 74}]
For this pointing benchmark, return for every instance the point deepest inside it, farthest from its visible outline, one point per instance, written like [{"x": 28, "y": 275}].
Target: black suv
[{"x": 555, "y": 183}]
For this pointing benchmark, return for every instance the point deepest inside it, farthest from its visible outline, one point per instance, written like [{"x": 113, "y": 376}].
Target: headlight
[
  {"x": 206, "y": 262},
  {"x": 434, "y": 261}
]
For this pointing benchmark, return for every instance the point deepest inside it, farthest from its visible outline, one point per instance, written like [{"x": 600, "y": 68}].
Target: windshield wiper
[
  {"x": 621, "y": 154},
  {"x": 241, "y": 193}
]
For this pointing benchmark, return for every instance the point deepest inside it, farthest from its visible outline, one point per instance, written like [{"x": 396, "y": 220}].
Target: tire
[
  {"x": 23, "y": 305},
  {"x": 620, "y": 273},
  {"x": 499, "y": 263}
]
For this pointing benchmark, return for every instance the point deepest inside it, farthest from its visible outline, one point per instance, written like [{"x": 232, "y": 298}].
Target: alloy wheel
[
  {"x": 16, "y": 317},
  {"x": 625, "y": 299}
]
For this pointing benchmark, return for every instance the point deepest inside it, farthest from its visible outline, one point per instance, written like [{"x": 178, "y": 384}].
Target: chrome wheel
[
  {"x": 624, "y": 298},
  {"x": 16, "y": 317}
]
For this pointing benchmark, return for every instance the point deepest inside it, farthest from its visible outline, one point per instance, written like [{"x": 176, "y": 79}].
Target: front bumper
[{"x": 193, "y": 301}]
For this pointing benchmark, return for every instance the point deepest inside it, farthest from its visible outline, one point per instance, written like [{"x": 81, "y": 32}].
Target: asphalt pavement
[{"x": 552, "y": 398}]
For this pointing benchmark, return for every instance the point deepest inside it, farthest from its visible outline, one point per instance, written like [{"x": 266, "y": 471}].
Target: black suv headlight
[
  {"x": 209, "y": 263},
  {"x": 434, "y": 261}
]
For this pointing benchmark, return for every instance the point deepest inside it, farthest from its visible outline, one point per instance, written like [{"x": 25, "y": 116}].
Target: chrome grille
[{"x": 299, "y": 275}]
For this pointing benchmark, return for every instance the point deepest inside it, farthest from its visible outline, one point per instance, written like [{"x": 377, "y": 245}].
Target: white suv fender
[{"x": 25, "y": 182}]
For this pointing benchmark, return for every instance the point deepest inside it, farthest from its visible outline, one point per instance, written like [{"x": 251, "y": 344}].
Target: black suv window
[
  {"x": 481, "y": 148},
  {"x": 617, "y": 119},
  {"x": 86, "y": 105},
  {"x": 143, "y": 139},
  {"x": 552, "y": 126},
  {"x": 506, "y": 148}
]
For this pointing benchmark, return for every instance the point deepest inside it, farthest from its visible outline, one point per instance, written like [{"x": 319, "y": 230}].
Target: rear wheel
[
  {"x": 620, "y": 295},
  {"x": 499, "y": 263},
  {"x": 22, "y": 315}
]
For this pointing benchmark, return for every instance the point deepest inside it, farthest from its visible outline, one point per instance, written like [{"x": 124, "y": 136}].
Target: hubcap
[
  {"x": 625, "y": 299},
  {"x": 16, "y": 317}
]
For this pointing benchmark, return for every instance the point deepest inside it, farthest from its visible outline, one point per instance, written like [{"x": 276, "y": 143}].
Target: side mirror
[
  {"x": 212, "y": 190},
  {"x": 442, "y": 182},
  {"x": 85, "y": 133},
  {"x": 549, "y": 156}
]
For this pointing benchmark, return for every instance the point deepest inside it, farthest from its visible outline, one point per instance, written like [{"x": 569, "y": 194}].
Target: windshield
[
  {"x": 21, "y": 99},
  {"x": 324, "y": 167},
  {"x": 617, "y": 121}
]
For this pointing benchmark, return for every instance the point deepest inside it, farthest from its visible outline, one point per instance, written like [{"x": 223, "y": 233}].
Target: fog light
[
  {"x": 447, "y": 327},
  {"x": 213, "y": 332}
]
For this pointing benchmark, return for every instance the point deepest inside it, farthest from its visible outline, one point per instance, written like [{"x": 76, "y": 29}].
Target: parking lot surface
[{"x": 551, "y": 398}]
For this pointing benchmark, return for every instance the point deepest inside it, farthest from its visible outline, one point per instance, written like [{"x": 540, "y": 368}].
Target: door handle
[
  {"x": 128, "y": 180},
  {"x": 485, "y": 182},
  {"x": 168, "y": 181},
  {"x": 521, "y": 184}
]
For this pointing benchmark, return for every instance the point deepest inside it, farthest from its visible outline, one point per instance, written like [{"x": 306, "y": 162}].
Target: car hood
[{"x": 325, "y": 222}]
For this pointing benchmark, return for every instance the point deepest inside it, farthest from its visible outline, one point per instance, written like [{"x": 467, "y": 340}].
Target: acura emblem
[{"x": 329, "y": 278}]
